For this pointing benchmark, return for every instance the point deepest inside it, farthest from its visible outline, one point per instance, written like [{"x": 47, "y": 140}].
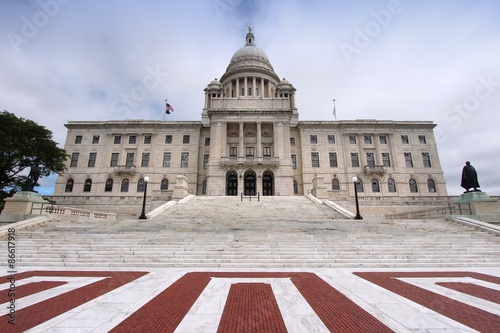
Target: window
[
  {"x": 314, "y": 139},
  {"x": 408, "y": 160},
  {"x": 422, "y": 139},
  {"x": 147, "y": 139},
  {"x": 74, "y": 160},
  {"x": 167, "y": 156},
  {"x": 391, "y": 185},
  {"x": 404, "y": 139},
  {"x": 386, "y": 160},
  {"x": 413, "y": 186},
  {"x": 331, "y": 139},
  {"x": 359, "y": 186},
  {"x": 266, "y": 151},
  {"x": 333, "y": 160},
  {"x": 368, "y": 139},
  {"x": 184, "y": 160},
  {"x": 335, "y": 185},
  {"x": 233, "y": 151},
  {"x": 315, "y": 160},
  {"x": 78, "y": 139},
  {"x": 164, "y": 184},
  {"x": 204, "y": 187},
  {"x": 130, "y": 159},
  {"x": 168, "y": 139},
  {"x": 383, "y": 139},
  {"x": 205, "y": 161},
  {"x": 375, "y": 185},
  {"x": 145, "y": 160},
  {"x": 108, "y": 186},
  {"x": 292, "y": 141},
  {"x": 256, "y": 91},
  {"x": 249, "y": 91},
  {"x": 354, "y": 160},
  {"x": 431, "y": 185},
  {"x": 95, "y": 139},
  {"x": 117, "y": 140},
  {"x": 132, "y": 140},
  {"x": 69, "y": 185},
  {"x": 87, "y": 185},
  {"x": 427, "y": 160},
  {"x": 124, "y": 186},
  {"x": 207, "y": 142},
  {"x": 141, "y": 185},
  {"x": 92, "y": 158},
  {"x": 294, "y": 161},
  {"x": 352, "y": 139},
  {"x": 295, "y": 187},
  {"x": 243, "y": 91},
  {"x": 114, "y": 160},
  {"x": 250, "y": 151},
  {"x": 186, "y": 139},
  {"x": 370, "y": 159}
]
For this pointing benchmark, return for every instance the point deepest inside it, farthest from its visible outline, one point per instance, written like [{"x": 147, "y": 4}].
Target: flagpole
[
  {"x": 164, "y": 111},
  {"x": 334, "y": 111}
]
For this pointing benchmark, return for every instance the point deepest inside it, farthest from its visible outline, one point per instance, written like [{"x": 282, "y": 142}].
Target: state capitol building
[{"x": 249, "y": 141}]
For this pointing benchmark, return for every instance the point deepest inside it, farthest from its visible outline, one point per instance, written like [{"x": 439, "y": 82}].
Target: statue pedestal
[
  {"x": 21, "y": 203},
  {"x": 480, "y": 203}
]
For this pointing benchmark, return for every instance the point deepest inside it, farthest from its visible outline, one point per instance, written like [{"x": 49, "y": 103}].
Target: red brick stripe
[
  {"x": 485, "y": 293},
  {"x": 251, "y": 307},
  {"x": 475, "y": 318},
  {"x": 29, "y": 289}
]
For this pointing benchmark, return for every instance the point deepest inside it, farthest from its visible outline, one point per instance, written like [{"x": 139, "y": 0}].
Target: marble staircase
[{"x": 275, "y": 232}]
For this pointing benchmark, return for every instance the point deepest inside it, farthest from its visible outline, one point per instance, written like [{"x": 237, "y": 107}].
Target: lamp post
[
  {"x": 143, "y": 214},
  {"x": 358, "y": 216}
]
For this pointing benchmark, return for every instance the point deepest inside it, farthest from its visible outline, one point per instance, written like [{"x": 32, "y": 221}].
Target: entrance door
[
  {"x": 232, "y": 185},
  {"x": 267, "y": 184},
  {"x": 250, "y": 184}
]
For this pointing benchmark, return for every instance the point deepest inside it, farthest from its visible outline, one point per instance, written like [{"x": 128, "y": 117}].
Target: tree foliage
[{"x": 24, "y": 143}]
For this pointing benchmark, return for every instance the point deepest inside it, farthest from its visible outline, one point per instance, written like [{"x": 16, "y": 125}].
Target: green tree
[{"x": 24, "y": 143}]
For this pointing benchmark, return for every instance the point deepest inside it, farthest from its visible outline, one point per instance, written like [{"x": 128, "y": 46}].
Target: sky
[{"x": 405, "y": 60}]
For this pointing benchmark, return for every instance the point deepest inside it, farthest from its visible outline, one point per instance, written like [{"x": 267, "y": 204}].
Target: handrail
[
  {"x": 48, "y": 209},
  {"x": 460, "y": 208},
  {"x": 250, "y": 196}
]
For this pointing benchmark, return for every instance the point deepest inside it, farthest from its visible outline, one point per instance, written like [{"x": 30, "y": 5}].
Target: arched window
[
  {"x": 335, "y": 185},
  {"x": 87, "y": 186},
  {"x": 124, "y": 187},
  {"x": 141, "y": 184},
  {"x": 204, "y": 187},
  {"x": 359, "y": 185},
  {"x": 164, "y": 184},
  {"x": 108, "y": 187},
  {"x": 413, "y": 186},
  {"x": 391, "y": 185},
  {"x": 431, "y": 185},
  {"x": 295, "y": 187},
  {"x": 69, "y": 185},
  {"x": 375, "y": 185}
]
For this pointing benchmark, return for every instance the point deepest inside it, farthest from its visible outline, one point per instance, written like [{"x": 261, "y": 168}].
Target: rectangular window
[
  {"x": 292, "y": 141},
  {"x": 132, "y": 140},
  {"x": 250, "y": 151},
  {"x": 168, "y": 139},
  {"x": 249, "y": 91},
  {"x": 130, "y": 159},
  {"x": 370, "y": 159},
  {"x": 186, "y": 139},
  {"x": 383, "y": 139},
  {"x": 333, "y": 160},
  {"x": 408, "y": 160},
  {"x": 315, "y": 160},
  {"x": 233, "y": 151},
  {"x": 117, "y": 139},
  {"x": 266, "y": 151},
  {"x": 95, "y": 139},
  {"x": 314, "y": 139},
  {"x": 386, "y": 160},
  {"x": 354, "y": 160},
  {"x": 114, "y": 159},
  {"x": 167, "y": 156},
  {"x": 427, "y": 160},
  {"x": 78, "y": 139},
  {"x": 92, "y": 158},
  {"x": 294, "y": 161},
  {"x": 145, "y": 160},
  {"x": 404, "y": 139},
  {"x": 331, "y": 139},
  {"x": 243, "y": 91},
  {"x": 368, "y": 139},
  {"x": 207, "y": 142},
  {"x": 184, "y": 160},
  {"x": 147, "y": 139},
  {"x": 205, "y": 161},
  {"x": 74, "y": 160},
  {"x": 352, "y": 139},
  {"x": 422, "y": 139}
]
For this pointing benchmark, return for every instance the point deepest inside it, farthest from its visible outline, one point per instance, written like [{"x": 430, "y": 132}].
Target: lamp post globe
[
  {"x": 143, "y": 213},
  {"x": 354, "y": 181}
]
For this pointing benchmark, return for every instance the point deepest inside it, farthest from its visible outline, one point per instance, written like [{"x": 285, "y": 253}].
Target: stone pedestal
[
  {"x": 480, "y": 203},
  {"x": 21, "y": 203}
]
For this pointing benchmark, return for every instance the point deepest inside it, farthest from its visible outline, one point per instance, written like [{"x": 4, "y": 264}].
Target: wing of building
[{"x": 249, "y": 140}]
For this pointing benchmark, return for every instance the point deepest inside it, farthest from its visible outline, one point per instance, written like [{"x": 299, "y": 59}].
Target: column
[
  {"x": 254, "y": 87},
  {"x": 230, "y": 89},
  {"x": 237, "y": 94},
  {"x": 223, "y": 142},
  {"x": 262, "y": 94},
  {"x": 246, "y": 87},
  {"x": 259, "y": 141},
  {"x": 240, "y": 142}
]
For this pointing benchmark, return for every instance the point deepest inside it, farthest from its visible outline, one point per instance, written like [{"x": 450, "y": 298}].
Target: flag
[
  {"x": 334, "y": 111},
  {"x": 168, "y": 108}
]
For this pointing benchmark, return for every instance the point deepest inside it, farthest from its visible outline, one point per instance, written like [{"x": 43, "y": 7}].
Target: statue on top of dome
[{"x": 249, "y": 28}]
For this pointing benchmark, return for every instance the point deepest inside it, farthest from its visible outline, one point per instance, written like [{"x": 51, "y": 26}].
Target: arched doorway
[
  {"x": 232, "y": 184},
  {"x": 250, "y": 184},
  {"x": 267, "y": 184}
]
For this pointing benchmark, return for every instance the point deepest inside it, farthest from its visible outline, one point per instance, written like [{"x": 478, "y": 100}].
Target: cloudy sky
[{"x": 66, "y": 60}]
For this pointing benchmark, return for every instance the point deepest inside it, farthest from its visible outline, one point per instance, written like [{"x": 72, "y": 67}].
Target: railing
[
  {"x": 420, "y": 214},
  {"x": 233, "y": 161},
  {"x": 460, "y": 208},
  {"x": 125, "y": 170},
  {"x": 374, "y": 169},
  {"x": 39, "y": 208},
  {"x": 250, "y": 196}
]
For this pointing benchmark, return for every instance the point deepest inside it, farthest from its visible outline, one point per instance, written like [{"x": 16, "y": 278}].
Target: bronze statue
[
  {"x": 32, "y": 179},
  {"x": 469, "y": 178}
]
